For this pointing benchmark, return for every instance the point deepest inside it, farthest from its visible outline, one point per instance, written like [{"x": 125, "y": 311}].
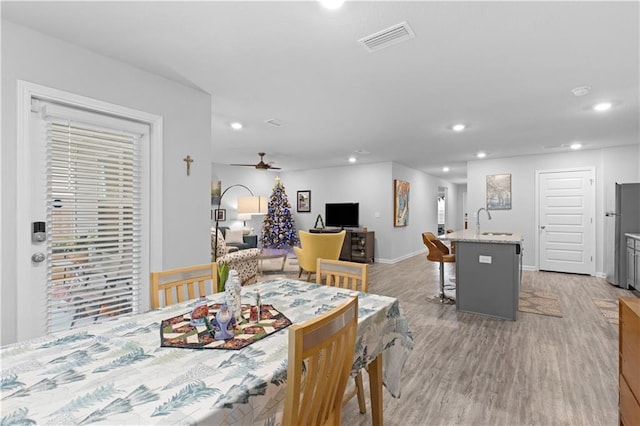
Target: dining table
[{"x": 118, "y": 372}]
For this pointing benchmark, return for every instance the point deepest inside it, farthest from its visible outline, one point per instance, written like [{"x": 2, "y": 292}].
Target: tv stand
[{"x": 358, "y": 245}]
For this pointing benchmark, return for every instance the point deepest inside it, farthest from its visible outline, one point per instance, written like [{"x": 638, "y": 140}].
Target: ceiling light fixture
[
  {"x": 575, "y": 145},
  {"x": 445, "y": 169},
  {"x": 458, "y": 127},
  {"x": 602, "y": 106},
  {"x": 352, "y": 159},
  {"x": 236, "y": 125},
  {"x": 481, "y": 154},
  {"x": 332, "y": 4}
]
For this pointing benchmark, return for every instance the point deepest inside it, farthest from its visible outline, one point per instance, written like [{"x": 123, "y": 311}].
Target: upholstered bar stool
[{"x": 438, "y": 252}]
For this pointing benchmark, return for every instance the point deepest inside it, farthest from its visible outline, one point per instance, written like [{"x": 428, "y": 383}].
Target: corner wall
[{"x": 31, "y": 56}]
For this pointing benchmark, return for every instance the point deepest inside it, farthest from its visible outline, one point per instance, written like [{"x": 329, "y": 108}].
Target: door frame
[
  {"x": 592, "y": 212},
  {"x": 26, "y": 92}
]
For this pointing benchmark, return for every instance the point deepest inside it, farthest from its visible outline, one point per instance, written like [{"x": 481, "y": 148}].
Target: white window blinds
[{"x": 94, "y": 223}]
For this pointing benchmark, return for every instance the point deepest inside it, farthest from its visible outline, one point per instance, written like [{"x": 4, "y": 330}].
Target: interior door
[
  {"x": 84, "y": 263},
  {"x": 566, "y": 201},
  {"x": 31, "y": 300}
]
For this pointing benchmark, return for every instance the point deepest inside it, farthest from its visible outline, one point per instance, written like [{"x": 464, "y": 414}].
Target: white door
[
  {"x": 566, "y": 201},
  {"x": 46, "y": 282}
]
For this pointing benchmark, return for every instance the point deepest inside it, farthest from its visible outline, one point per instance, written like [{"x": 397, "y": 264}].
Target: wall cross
[{"x": 188, "y": 160}]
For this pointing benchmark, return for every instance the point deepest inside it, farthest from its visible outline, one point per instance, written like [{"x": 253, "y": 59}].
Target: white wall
[
  {"x": 34, "y": 57},
  {"x": 370, "y": 185},
  {"x": 611, "y": 165}
]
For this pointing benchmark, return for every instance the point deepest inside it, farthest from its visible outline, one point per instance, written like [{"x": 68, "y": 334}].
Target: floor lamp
[{"x": 246, "y": 205}]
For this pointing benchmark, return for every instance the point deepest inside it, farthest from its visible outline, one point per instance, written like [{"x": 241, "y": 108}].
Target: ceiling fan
[{"x": 261, "y": 164}]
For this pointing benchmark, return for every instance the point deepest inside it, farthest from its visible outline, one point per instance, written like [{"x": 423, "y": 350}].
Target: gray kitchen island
[{"x": 487, "y": 272}]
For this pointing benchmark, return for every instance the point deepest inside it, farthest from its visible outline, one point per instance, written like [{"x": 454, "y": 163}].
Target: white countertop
[
  {"x": 485, "y": 236},
  {"x": 636, "y": 236}
]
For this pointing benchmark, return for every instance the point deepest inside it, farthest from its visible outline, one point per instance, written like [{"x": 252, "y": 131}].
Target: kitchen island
[{"x": 487, "y": 272}]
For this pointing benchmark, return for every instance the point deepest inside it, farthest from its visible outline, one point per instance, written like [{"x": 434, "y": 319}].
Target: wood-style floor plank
[{"x": 468, "y": 369}]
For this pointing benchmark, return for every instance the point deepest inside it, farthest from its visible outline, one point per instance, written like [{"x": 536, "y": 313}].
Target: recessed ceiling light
[
  {"x": 481, "y": 154},
  {"x": 445, "y": 169},
  {"x": 581, "y": 90},
  {"x": 236, "y": 125},
  {"x": 458, "y": 127},
  {"x": 575, "y": 145},
  {"x": 602, "y": 106},
  {"x": 352, "y": 159},
  {"x": 332, "y": 4}
]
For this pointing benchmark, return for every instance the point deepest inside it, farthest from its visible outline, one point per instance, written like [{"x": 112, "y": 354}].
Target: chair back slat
[
  {"x": 324, "y": 348},
  {"x": 181, "y": 284},
  {"x": 343, "y": 274}
]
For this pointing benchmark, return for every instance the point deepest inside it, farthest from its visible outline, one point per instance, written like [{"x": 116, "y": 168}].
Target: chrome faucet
[{"x": 478, "y": 218}]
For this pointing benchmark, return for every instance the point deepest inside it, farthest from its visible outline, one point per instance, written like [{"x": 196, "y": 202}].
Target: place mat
[
  {"x": 177, "y": 332},
  {"x": 608, "y": 308},
  {"x": 539, "y": 302}
]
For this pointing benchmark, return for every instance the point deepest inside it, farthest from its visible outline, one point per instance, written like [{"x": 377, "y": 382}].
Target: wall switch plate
[{"x": 484, "y": 259}]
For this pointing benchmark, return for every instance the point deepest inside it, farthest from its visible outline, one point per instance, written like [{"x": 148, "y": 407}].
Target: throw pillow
[{"x": 233, "y": 236}]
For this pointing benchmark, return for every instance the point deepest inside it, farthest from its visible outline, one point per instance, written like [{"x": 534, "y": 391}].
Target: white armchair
[{"x": 243, "y": 261}]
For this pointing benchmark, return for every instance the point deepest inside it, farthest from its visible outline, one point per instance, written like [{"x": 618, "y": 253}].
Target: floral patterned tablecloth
[{"x": 117, "y": 373}]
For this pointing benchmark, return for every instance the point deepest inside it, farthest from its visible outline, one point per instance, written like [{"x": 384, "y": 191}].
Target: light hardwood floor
[{"x": 467, "y": 369}]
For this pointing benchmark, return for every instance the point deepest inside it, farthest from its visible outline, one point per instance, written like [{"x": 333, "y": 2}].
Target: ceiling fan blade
[{"x": 261, "y": 164}]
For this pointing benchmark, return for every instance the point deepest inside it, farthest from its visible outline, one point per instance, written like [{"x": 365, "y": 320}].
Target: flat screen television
[{"x": 342, "y": 215}]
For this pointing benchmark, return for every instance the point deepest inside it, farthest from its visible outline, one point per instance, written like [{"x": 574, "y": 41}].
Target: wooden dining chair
[
  {"x": 352, "y": 276},
  {"x": 324, "y": 347},
  {"x": 181, "y": 284}
]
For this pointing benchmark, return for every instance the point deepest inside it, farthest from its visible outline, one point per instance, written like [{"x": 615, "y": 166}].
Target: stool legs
[{"x": 443, "y": 297}]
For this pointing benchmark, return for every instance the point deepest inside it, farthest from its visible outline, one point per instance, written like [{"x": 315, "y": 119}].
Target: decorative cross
[{"x": 188, "y": 160}]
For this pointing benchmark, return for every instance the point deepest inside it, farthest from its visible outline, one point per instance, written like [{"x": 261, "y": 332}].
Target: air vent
[
  {"x": 274, "y": 122},
  {"x": 387, "y": 37}
]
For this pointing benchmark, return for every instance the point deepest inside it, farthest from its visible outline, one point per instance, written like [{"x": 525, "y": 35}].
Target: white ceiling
[{"x": 505, "y": 68}]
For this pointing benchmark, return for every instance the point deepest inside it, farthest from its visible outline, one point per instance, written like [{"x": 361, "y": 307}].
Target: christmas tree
[{"x": 278, "y": 226}]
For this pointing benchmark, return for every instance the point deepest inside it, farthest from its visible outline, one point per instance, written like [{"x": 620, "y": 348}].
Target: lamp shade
[
  {"x": 252, "y": 205},
  {"x": 244, "y": 216}
]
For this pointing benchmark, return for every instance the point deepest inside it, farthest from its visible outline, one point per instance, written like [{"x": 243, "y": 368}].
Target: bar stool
[{"x": 438, "y": 252}]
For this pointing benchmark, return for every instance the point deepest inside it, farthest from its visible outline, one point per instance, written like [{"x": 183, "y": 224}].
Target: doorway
[
  {"x": 442, "y": 209},
  {"x": 81, "y": 263},
  {"x": 566, "y": 220}
]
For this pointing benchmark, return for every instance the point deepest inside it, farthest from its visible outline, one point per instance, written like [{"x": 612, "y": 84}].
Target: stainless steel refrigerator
[{"x": 623, "y": 218}]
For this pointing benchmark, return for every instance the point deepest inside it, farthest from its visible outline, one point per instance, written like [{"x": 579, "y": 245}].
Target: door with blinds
[{"x": 87, "y": 203}]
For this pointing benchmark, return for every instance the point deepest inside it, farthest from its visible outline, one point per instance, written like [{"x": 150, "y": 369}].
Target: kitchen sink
[{"x": 497, "y": 233}]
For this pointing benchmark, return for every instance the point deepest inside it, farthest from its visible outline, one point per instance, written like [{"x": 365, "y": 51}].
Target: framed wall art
[
  {"x": 304, "y": 201},
  {"x": 220, "y": 215},
  {"x": 400, "y": 203},
  {"x": 216, "y": 190},
  {"x": 499, "y": 192}
]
